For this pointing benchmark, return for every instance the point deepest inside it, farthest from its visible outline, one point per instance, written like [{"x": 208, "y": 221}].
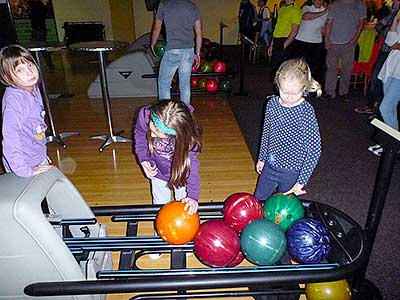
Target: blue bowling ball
[{"x": 308, "y": 241}]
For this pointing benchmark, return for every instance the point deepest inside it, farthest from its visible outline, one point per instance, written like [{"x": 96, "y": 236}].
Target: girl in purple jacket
[
  {"x": 167, "y": 143},
  {"x": 24, "y": 138}
]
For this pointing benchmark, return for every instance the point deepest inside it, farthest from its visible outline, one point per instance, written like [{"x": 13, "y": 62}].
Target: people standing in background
[
  {"x": 375, "y": 89},
  {"x": 286, "y": 28},
  {"x": 390, "y": 76},
  {"x": 308, "y": 42},
  {"x": 38, "y": 15},
  {"x": 371, "y": 9},
  {"x": 345, "y": 21},
  {"x": 180, "y": 51},
  {"x": 247, "y": 17},
  {"x": 383, "y": 11},
  {"x": 264, "y": 22}
]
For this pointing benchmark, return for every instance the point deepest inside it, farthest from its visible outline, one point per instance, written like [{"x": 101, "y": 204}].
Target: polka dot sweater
[{"x": 290, "y": 138}]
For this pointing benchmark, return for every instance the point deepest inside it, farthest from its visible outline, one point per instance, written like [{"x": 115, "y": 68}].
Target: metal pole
[
  {"x": 45, "y": 95},
  {"x": 105, "y": 93},
  {"x": 242, "y": 59},
  {"x": 221, "y": 39},
  {"x": 375, "y": 211}
]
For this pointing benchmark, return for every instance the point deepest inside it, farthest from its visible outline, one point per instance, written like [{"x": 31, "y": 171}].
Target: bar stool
[
  {"x": 36, "y": 48},
  {"x": 258, "y": 50},
  {"x": 101, "y": 47}
]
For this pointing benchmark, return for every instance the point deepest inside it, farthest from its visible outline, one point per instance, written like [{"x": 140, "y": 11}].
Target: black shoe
[
  {"x": 345, "y": 98},
  {"x": 326, "y": 96},
  {"x": 365, "y": 110}
]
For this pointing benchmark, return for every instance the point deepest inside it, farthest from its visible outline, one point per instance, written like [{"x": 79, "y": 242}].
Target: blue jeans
[
  {"x": 181, "y": 59},
  {"x": 274, "y": 179},
  {"x": 391, "y": 98}
]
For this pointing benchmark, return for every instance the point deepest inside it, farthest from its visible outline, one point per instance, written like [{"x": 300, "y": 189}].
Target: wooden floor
[{"x": 114, "y": 177}]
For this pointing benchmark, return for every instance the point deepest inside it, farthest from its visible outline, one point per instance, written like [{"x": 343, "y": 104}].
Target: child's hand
[
  {"x": 191, "y": 205},
  {"x": 152, "y": 50},
  {"x": 259, "y": 166},
  {"x": 41, "y": 169},
  {"x": 269, "y": 51},
  {"x": 148, "y": 169},
  {"x": 297, "y": 189}
]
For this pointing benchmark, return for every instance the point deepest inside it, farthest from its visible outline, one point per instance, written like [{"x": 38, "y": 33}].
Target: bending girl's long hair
[{"x": 177, "y": 116}]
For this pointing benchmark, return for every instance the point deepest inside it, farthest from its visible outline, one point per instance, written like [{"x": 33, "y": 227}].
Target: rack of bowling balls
[
  {"x": 259, "y": 249},
  {"x": 212, "y": 76}
]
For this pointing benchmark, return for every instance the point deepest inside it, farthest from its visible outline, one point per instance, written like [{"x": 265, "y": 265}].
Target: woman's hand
[
  {"x": 148, "y": 169},
  {"x": 259, "y": 166},
  {"x": 297, "y": 189},
  {"x": 269, "y": 51},
  {"x": 41, "y": 169},
  {"x": 328, "y": 44},
  {"x": 191, "y": 205}
]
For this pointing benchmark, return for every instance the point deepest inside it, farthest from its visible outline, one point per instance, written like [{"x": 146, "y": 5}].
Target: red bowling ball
[
  {"x": 241, "y": 209},
  {"x": 212, "y": 85},
  {"x": 194, "y": 82},
  {"x": 216, "y": 244},
  {"x": 219, "y": 67},
  {"x": 237, "y": 260},
  {"x": 195, "y": 69}
]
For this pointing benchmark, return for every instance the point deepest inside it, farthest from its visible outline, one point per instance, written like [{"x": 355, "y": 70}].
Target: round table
[
  {"x": 36, "y": 48},
  {"x": 101, "y": 47}
]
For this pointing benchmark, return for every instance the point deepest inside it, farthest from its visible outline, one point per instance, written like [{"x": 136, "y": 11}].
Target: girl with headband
[{"x": 167, "y": 142}]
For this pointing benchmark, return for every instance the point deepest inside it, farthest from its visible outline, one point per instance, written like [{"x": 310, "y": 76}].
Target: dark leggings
[{"x": 274, "y": 179}]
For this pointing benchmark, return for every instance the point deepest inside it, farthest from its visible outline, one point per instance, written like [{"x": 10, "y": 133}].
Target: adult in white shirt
[
  {"x": 308, "y": 42},
  {"x": 264, "y": 22},
  {"x": 390, "y": 76}
]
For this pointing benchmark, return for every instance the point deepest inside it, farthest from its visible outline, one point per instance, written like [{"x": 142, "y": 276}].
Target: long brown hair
[
  {"x": 10, "y": 58},
  {"x": 177, "y": 116}
]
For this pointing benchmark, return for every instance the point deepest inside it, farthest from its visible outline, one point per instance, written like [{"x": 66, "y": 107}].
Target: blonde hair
[
  {"x": 10, "y": 58},
  {"x": 297, "y": 70},
  {"x": 176, "y": 115}
]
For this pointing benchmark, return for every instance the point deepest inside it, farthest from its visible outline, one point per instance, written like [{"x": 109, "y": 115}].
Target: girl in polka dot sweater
[{"x": 290, "y": 142}]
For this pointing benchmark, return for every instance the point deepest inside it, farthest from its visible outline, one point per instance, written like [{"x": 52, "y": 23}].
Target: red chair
[{"x": 365, "y": 68}]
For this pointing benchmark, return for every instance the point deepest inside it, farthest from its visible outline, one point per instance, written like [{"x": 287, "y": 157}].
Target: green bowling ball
[
  {"x": 159, "y": 48},
  {"x": 284, "y": 210},
  {"x": 207, "y": 67},
  {"x": 225, "y": 85},
  {"x": 263, "y": 242},
  {"x": 202, "y": 83},
  {"x": 333, "y": 290}
]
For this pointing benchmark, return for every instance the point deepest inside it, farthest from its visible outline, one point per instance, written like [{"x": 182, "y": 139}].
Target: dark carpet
[{"x": 345, "y": 175}]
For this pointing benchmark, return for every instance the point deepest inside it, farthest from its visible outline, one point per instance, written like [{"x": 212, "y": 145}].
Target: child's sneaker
[{"x": 376, "y": 149}]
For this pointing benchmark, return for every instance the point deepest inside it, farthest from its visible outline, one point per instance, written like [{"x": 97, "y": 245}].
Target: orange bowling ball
[{"x": 175, "y": 225}]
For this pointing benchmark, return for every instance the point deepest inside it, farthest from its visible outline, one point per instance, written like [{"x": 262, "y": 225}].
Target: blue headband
[{"x": 160, "y": 125}]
